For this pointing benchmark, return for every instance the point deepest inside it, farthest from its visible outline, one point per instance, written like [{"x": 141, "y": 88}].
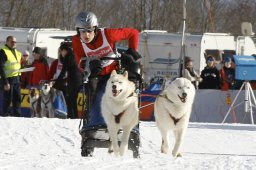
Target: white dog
[
  {"x": 120, "y": 110},
  {"x": 172, "y": 110},
  {"x": 48, "y": 96},
  {"x": 34, "y": 100}
]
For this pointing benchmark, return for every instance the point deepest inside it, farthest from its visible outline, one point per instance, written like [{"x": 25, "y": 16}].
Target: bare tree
[{"x": 202, "y": 15}]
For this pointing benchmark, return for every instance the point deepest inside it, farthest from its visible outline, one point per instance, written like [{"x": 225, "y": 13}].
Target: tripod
[{"x": 249, "y": 97}]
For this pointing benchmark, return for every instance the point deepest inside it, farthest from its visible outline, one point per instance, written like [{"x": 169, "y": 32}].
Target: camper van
[
  {"x": 161, "y": 51},
  {"x": 48, "y": 39}
]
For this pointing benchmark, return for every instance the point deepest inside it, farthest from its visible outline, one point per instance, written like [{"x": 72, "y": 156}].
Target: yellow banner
[{"x": 25, "y": 100}]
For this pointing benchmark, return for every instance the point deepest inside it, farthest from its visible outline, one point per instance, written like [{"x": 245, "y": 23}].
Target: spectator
[
  {"x": 41, "y": 68},
  {"x": 10, "y": 59},
  {"x": 74, "y": 79},
  {"x": 92, "y": 41},
  {"x": 210, "y": 75},
  {"x": 190, "y": 73},
  {"x": 227, "y": 75},
  {"x": 54, "y": 72},
  {"x": 24, "y": 64}
]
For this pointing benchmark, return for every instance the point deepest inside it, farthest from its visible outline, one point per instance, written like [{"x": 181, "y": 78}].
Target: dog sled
[{"x": 94, "y": 131}]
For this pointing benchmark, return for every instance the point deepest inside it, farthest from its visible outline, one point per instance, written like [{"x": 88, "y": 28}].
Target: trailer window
[
  {"x": 228, "y": 53},
  {"x": 219, "y": 55},
  {"x": 214, "y": 53}
]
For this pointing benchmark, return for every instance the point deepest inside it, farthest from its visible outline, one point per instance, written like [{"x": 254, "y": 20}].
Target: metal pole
[
  {"x": 251, "y": 95},
  {"x": 182, "y": 56},
  {"x": 231, "y": 106}
]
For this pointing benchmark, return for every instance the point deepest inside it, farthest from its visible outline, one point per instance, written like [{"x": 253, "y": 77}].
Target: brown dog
[{"x": 35, "y": 100}]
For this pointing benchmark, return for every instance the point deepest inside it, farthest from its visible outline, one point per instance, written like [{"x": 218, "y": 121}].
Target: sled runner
[{"x": 94, "y": 131}]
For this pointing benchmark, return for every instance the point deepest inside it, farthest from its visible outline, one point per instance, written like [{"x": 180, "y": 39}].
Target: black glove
[
  {"x": 95, "y": 67},
  {"x": 126, "y": 60},
  {"x": 136, "y": 56},
  {"x": 59, "y": 84}
]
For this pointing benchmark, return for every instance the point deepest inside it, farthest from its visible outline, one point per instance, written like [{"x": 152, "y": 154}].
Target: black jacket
[
  {"x": 74, "y": 78},
  {"x": 211, "y": 78}
]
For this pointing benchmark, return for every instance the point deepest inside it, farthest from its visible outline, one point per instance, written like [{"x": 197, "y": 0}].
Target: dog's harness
[
  {"x": 33, "y": 106},
  {"x": 45, "y": 103},
  {"x": 33, "y": 103},
  {"x": 165, "y": 96},
  {"x": 118, "y": 117},
  {"x": 175, "y": 120},
  {"x": 130, "y": 95}
]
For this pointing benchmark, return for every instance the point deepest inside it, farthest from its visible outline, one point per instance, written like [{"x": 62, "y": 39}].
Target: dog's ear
[
  {"x": 126, "y": 74},
  {"x": 51, "y": 84},
  {"x": 41, "y": 82},
  {"x": 113, "y": 73}
]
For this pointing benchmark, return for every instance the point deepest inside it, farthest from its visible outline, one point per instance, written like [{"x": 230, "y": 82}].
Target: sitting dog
[
  {"x": 120, "y": 110},
  {"x": 172, "y": 110},
  {"x": 34, "y": 100},
  {"x": 48, "y": 96}
]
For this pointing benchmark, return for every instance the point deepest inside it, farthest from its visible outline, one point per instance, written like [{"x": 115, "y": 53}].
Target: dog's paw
[
  {"x": 164, "y": 150},
  {"x": 179, "y": 155},
  {"x": 176, "y": 154},
  {"x": 116, "y": 151},
  {"x": 110, "y": 151},
  {"x": 123, "y": 149},
  {"x": 117, "y": 154}
]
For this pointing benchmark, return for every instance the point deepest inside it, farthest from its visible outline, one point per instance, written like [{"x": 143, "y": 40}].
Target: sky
[{"x": 54, "y": 144}]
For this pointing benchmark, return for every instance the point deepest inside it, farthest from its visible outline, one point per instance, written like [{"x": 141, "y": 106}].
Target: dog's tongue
[
  {"x": 114, "y": 92},
  {"x": 182, "y": 99}
]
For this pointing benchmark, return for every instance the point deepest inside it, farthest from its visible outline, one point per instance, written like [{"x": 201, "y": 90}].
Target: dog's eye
[
  {"x": 112, "y": 82},
  {"x": 120, "y": 82},
  {"x": 179, "y": 87}
]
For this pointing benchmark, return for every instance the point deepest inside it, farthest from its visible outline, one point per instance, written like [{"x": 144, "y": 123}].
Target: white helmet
[{"x": 86, "y": 20}]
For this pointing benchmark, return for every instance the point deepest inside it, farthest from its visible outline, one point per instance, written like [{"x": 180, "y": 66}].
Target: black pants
[
  {"x": 95, "y": 84},
  {"x": 71, "y": 100},
  {"x": 13, "y": 95}
]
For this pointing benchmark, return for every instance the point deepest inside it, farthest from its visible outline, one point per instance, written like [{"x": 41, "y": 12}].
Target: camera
[{"x": 245, "y": 67}]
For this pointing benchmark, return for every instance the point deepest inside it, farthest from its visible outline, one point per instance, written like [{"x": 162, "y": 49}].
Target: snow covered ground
[{"x": 54, "y": 144}]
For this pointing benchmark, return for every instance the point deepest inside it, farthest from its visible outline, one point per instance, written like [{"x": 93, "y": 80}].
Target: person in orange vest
[{"x": 227, "y": 75}]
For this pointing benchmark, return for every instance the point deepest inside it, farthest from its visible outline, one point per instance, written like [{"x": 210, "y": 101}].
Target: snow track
[{"x": 43, "y": 144}]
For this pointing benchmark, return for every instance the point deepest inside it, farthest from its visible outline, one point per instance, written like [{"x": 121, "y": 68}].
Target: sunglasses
[
  {"x": 209, "y": 61},
  {"x": 82, "y": 30},
  {"x": 13, "y": 42}
]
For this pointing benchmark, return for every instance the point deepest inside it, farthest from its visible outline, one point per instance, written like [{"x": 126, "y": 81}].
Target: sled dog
[
  {"x": 172, "y": 110},
  {"x": 47, "y": 98},
  {"x": 34, "y": 100},
  {"x": 120, "y": 110}
]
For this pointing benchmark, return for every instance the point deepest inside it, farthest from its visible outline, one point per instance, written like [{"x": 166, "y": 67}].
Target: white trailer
[
  {"x": 48, "y": 39},
  {"x": 161, "y": 50}
]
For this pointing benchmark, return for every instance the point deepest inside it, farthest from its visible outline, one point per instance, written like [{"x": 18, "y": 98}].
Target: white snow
[{"x": 54, "y": 144}]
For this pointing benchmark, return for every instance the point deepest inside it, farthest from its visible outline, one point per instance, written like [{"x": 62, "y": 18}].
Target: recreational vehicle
[
  {"x": 48, "y": 39},
  {"x": 161, "y": 51}
]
